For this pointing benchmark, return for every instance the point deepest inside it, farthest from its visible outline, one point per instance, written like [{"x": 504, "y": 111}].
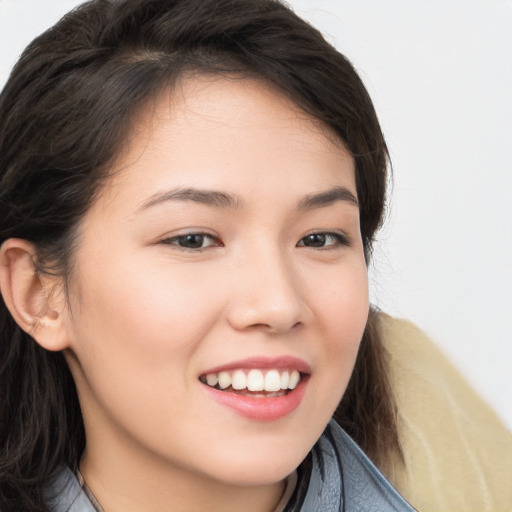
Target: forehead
[{"x": 219, "y": 132}]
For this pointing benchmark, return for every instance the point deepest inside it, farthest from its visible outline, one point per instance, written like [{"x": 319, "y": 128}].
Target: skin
[{"x": 147, "y": 316}]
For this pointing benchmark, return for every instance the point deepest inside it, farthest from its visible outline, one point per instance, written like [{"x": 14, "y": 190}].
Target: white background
[{"x": 440, "y": 74}]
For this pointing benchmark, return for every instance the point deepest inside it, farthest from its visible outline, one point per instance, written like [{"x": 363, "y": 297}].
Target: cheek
[
  {"x": 135, "y": 335},
  {"x": 153, "y": 311},
  {"x": 342, "y": 314},
  {"x": 342, "y": 301}
]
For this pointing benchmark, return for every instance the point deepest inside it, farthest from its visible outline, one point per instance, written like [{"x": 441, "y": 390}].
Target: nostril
[
  {"x": 274, "y": 328},
  {"x": 269, "y": 312}
]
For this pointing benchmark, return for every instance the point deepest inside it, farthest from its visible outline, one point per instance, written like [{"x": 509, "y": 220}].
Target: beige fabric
[{"x": 458, "y": 454}]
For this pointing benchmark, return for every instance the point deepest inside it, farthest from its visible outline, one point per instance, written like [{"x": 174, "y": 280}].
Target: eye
[
  {"x": 322, "y": 240},
  {"x": 194, "y": 241}
]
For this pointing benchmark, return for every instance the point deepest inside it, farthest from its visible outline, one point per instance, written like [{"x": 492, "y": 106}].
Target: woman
[{"x": 190, "y": 191}]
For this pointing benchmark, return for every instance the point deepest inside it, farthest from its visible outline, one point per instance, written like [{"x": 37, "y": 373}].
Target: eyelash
[{"x": 337, "y": 239}]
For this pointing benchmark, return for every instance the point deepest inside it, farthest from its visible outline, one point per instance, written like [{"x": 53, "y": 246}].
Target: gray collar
[{"x": 343, "y": 479}]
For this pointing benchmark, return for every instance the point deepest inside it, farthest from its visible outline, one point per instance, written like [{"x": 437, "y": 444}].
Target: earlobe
[{"x": 28, "y": 295}]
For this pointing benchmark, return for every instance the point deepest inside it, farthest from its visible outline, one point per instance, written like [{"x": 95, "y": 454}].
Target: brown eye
[
  {"x": 194, "y": 241},
  {"x": 314, "y": 240},
  {"x": 321, "y": 240}
]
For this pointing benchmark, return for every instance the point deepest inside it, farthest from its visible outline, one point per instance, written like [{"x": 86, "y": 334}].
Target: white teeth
[
  {"x": 285, "y": 379},
  {"x": 255, "y": 381},
  {"x": 294, "y": 379},
  {"x": 211, "y": 379},
  {"x": 224, "y": 380},
  {"x": 272, "y": 381},
  {"x": 239, "y": 380}
]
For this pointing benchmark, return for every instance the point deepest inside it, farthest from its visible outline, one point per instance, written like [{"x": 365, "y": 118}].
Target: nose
[{"x": 267, "y": 295}]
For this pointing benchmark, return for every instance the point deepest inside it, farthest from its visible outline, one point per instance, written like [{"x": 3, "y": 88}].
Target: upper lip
[{"x": 262, "y": 363}]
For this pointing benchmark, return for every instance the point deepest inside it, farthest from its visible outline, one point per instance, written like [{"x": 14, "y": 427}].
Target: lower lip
[{"x": 260, "y": 408}]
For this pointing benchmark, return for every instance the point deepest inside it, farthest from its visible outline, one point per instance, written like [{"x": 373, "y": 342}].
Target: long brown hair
[{"x": 64, "y": 115}]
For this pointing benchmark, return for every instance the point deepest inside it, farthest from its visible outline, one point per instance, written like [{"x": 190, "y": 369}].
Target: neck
[{"x": 120, "y": 483}]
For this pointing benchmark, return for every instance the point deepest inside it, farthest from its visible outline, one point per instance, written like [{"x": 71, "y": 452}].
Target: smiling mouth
[{"x": 269, "y": 383}]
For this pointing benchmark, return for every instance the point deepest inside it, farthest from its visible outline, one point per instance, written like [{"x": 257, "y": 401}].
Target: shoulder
[{"x": 458, "y": 455}]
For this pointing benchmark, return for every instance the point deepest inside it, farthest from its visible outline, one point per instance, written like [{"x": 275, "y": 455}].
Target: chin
[
  {"x": 253, "y": 475},
  {"x": 258, "y": 465}
]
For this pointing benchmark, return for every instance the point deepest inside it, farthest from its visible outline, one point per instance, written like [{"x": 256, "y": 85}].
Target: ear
[{"x": 35, "y": 301}]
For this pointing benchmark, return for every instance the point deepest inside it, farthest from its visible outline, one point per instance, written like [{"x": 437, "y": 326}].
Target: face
[{"x": 219, "y": 292}]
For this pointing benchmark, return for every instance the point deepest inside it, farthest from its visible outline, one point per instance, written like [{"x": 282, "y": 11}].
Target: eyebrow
[
  {"x": 207, "y": 197},
  {"x": 322, "y": 199},
  {"x": 225, "y": 200}
]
